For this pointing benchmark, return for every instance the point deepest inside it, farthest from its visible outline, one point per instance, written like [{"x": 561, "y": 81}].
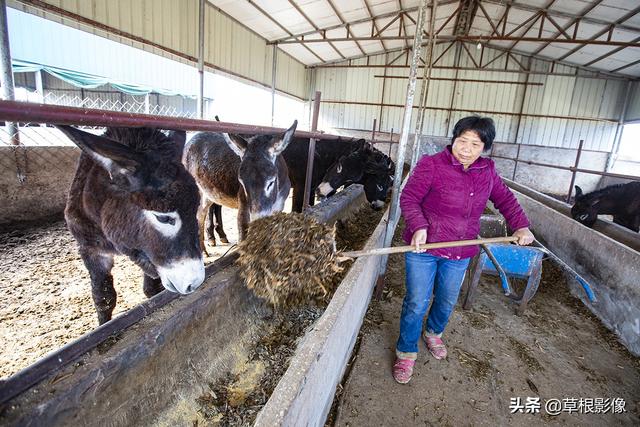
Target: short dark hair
[{"x": 483, "y": 126}]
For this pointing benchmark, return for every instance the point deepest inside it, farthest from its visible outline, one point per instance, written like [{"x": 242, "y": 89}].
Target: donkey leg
[
  {"x": 211, "y": 223},
  {"x": 218, "y": 223},
  {"x": 102, "y": 290},
  {"x": 243, "y": 219},
  {"x": 298, "y": 197},
  {"x": 202, "y": 214},
  {"x": 151, "y": 286}
]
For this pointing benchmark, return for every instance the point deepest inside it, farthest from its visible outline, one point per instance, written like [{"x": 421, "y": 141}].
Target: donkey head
[
  {"x": 585, "y": 209},
  {"x": 346, "y": 170},
  {"x": 150, "y": 202},
  {"x": 262, "y": 174},
  {"x": 366, "y": 166}
]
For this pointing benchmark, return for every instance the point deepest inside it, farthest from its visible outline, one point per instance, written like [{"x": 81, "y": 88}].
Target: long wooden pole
[{"x": 436, "y": 245}]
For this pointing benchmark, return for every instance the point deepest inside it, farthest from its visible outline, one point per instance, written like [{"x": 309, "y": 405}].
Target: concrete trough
[
  {"x": 305, "y": 392},
  {"x": 610, "y": 267},
  {"x": 153, "y": 370}
]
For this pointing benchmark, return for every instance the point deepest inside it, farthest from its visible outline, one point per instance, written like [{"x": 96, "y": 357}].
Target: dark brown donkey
[
  {"x": 245, "y": 174},
  {"x": 131, "y": 195}
]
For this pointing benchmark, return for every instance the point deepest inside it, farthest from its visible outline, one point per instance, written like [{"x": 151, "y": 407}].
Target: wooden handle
[{"x": 436, "y": 245}]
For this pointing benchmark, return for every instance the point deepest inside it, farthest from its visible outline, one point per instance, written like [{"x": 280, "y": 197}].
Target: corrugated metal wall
[
  {"x": 558, "y": 111},
  {"x": 173, "y": 24},
  {"x": 633, "y": 109}
]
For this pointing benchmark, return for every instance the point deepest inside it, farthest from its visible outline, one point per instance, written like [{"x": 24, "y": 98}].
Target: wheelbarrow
[{"x": 504, "y": 261}]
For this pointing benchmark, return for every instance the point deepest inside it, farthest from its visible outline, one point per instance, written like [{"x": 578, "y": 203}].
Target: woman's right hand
[{"x": 419, "y": 238}]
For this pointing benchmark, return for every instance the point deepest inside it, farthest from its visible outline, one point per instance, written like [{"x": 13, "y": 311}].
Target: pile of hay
[{"x": 289, "y": 259}]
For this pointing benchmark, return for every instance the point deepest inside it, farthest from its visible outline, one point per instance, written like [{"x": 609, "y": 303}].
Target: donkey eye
[
  {"x": 339, "y": 170},
  {"x": 166, "y": 219},
  {"x": 270, "y": 184},
  {"x": 379, "y": 187}
]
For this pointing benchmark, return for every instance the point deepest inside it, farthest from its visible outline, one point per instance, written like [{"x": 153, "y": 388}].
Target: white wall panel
[
  {"x": 229, "y": 46},
  {"x": 563, "y": 96}
]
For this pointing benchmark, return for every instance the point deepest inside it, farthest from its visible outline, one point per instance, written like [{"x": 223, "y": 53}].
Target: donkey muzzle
[{"x": 183, "y": 276}]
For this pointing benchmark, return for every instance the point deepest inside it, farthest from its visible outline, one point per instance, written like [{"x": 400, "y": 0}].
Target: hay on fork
[{"x": 289, "y": 259}]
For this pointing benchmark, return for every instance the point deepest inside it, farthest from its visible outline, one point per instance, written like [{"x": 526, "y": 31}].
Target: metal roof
[{"x": 600, "y": 35}]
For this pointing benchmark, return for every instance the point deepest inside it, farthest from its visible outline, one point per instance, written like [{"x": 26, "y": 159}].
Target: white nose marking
[{"x": 325, "y": 188}]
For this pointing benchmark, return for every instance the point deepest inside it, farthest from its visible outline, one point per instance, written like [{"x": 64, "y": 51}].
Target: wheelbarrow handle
[{"x": 435, "y": 245}]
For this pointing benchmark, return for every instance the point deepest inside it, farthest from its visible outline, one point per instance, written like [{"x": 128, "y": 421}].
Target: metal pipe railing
[{"x": 570, "y": 168}]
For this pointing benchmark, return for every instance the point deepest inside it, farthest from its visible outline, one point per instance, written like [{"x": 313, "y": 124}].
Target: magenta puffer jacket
[{"x": 447, "y": 201}]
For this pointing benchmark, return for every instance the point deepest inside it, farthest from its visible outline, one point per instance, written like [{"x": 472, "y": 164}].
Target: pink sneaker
[
  {"x": 402, "y": 370},
  {"x": 436, "y": 346}
]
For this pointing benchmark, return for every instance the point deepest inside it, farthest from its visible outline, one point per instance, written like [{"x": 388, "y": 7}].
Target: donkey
[
  {"x": 245, "y": 174},
  {"x": 366, "y": 166},
  {"x": 131, "y": 196},
  {"x": 373, "y": 169},
  {"x": 621, "y": 200},
  {"x": 326, "y": 155}
]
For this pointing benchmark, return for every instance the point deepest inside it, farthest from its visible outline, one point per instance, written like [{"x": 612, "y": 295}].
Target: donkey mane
[
  {"x": 615, "y": 190},
  {"x": 141, "y": 139}
]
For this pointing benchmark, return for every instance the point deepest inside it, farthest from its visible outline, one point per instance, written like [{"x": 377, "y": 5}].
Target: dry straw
[{"x": 289, "y": 259}]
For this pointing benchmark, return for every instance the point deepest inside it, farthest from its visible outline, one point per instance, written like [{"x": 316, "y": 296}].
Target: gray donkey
[
  {"x": 131, "y": 195},
  {"x": 245, "y": 174}
]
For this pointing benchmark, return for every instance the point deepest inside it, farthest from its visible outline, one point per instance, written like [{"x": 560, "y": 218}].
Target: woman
[{"x": 442, "y": 201}]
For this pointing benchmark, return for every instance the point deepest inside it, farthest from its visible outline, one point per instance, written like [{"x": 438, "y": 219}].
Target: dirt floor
[
  {"x": 556, "y": 350},
  {"x": 46, "y": 289}
]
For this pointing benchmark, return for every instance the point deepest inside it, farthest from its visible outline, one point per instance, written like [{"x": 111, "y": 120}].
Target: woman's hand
[
  {"x": 524, "y": 235},
  {"x": 419, "y": 238}
]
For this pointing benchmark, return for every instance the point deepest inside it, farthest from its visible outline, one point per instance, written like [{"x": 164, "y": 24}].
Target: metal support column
[
  {"x": 426, "y": 80},
  {"x": 573, "y": 173},
  {"x": 404, "y": 137},
  {"x": 273, "y": 83},
  {"x": 455, "y": 86},
  {"x": 7, "y": 70},
  {"x": 520, "y": 111},
  {"x": 200, "y": 101},
  {"x": 39, "y": 86},
  {"x": 312, "y": 150}
]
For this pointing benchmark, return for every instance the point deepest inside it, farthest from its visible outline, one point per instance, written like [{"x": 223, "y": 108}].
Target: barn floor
[
  {"x": 46, "y": 289},
  {"x": 557, "y": 350}
]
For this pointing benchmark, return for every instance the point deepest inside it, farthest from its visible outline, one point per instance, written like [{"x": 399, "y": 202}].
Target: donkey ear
[
  {"x": 179, "y": 137},
  {"x": 237, "y": 143},
  {"x": 578, "y": 191},
  {"x": 279, "y": 144},
  {"x": 114, "y": 157}
]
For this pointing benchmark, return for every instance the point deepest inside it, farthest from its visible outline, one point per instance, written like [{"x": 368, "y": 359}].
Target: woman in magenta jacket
[{"x": 442, "y": 201}]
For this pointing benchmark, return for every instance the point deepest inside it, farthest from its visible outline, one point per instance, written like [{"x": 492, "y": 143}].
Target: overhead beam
[
  {"x": 631, "y": 64},
  {"x": 304, "y": 15},
  {"x": 610, "y": 27},
  {"x": 541, "y": 15},
  {"x": 473, "y": 39},
  {"x": 560, "y": 14},
  {"x": 574, "y": 21},
  {"x": 347, "y": 26},
  {"x": 362, "y": 20},
  {"x": 608, "y": 54},
  {"x": 374, "y": 25},
  {"x": 272, "y": 19}
]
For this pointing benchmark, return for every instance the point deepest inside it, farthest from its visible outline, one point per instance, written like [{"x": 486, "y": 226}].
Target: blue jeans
[{"x": 422, "y": 270}]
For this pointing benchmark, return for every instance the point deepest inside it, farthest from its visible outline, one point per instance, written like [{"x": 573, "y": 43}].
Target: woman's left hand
[{"x": 524, "y": 235}]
